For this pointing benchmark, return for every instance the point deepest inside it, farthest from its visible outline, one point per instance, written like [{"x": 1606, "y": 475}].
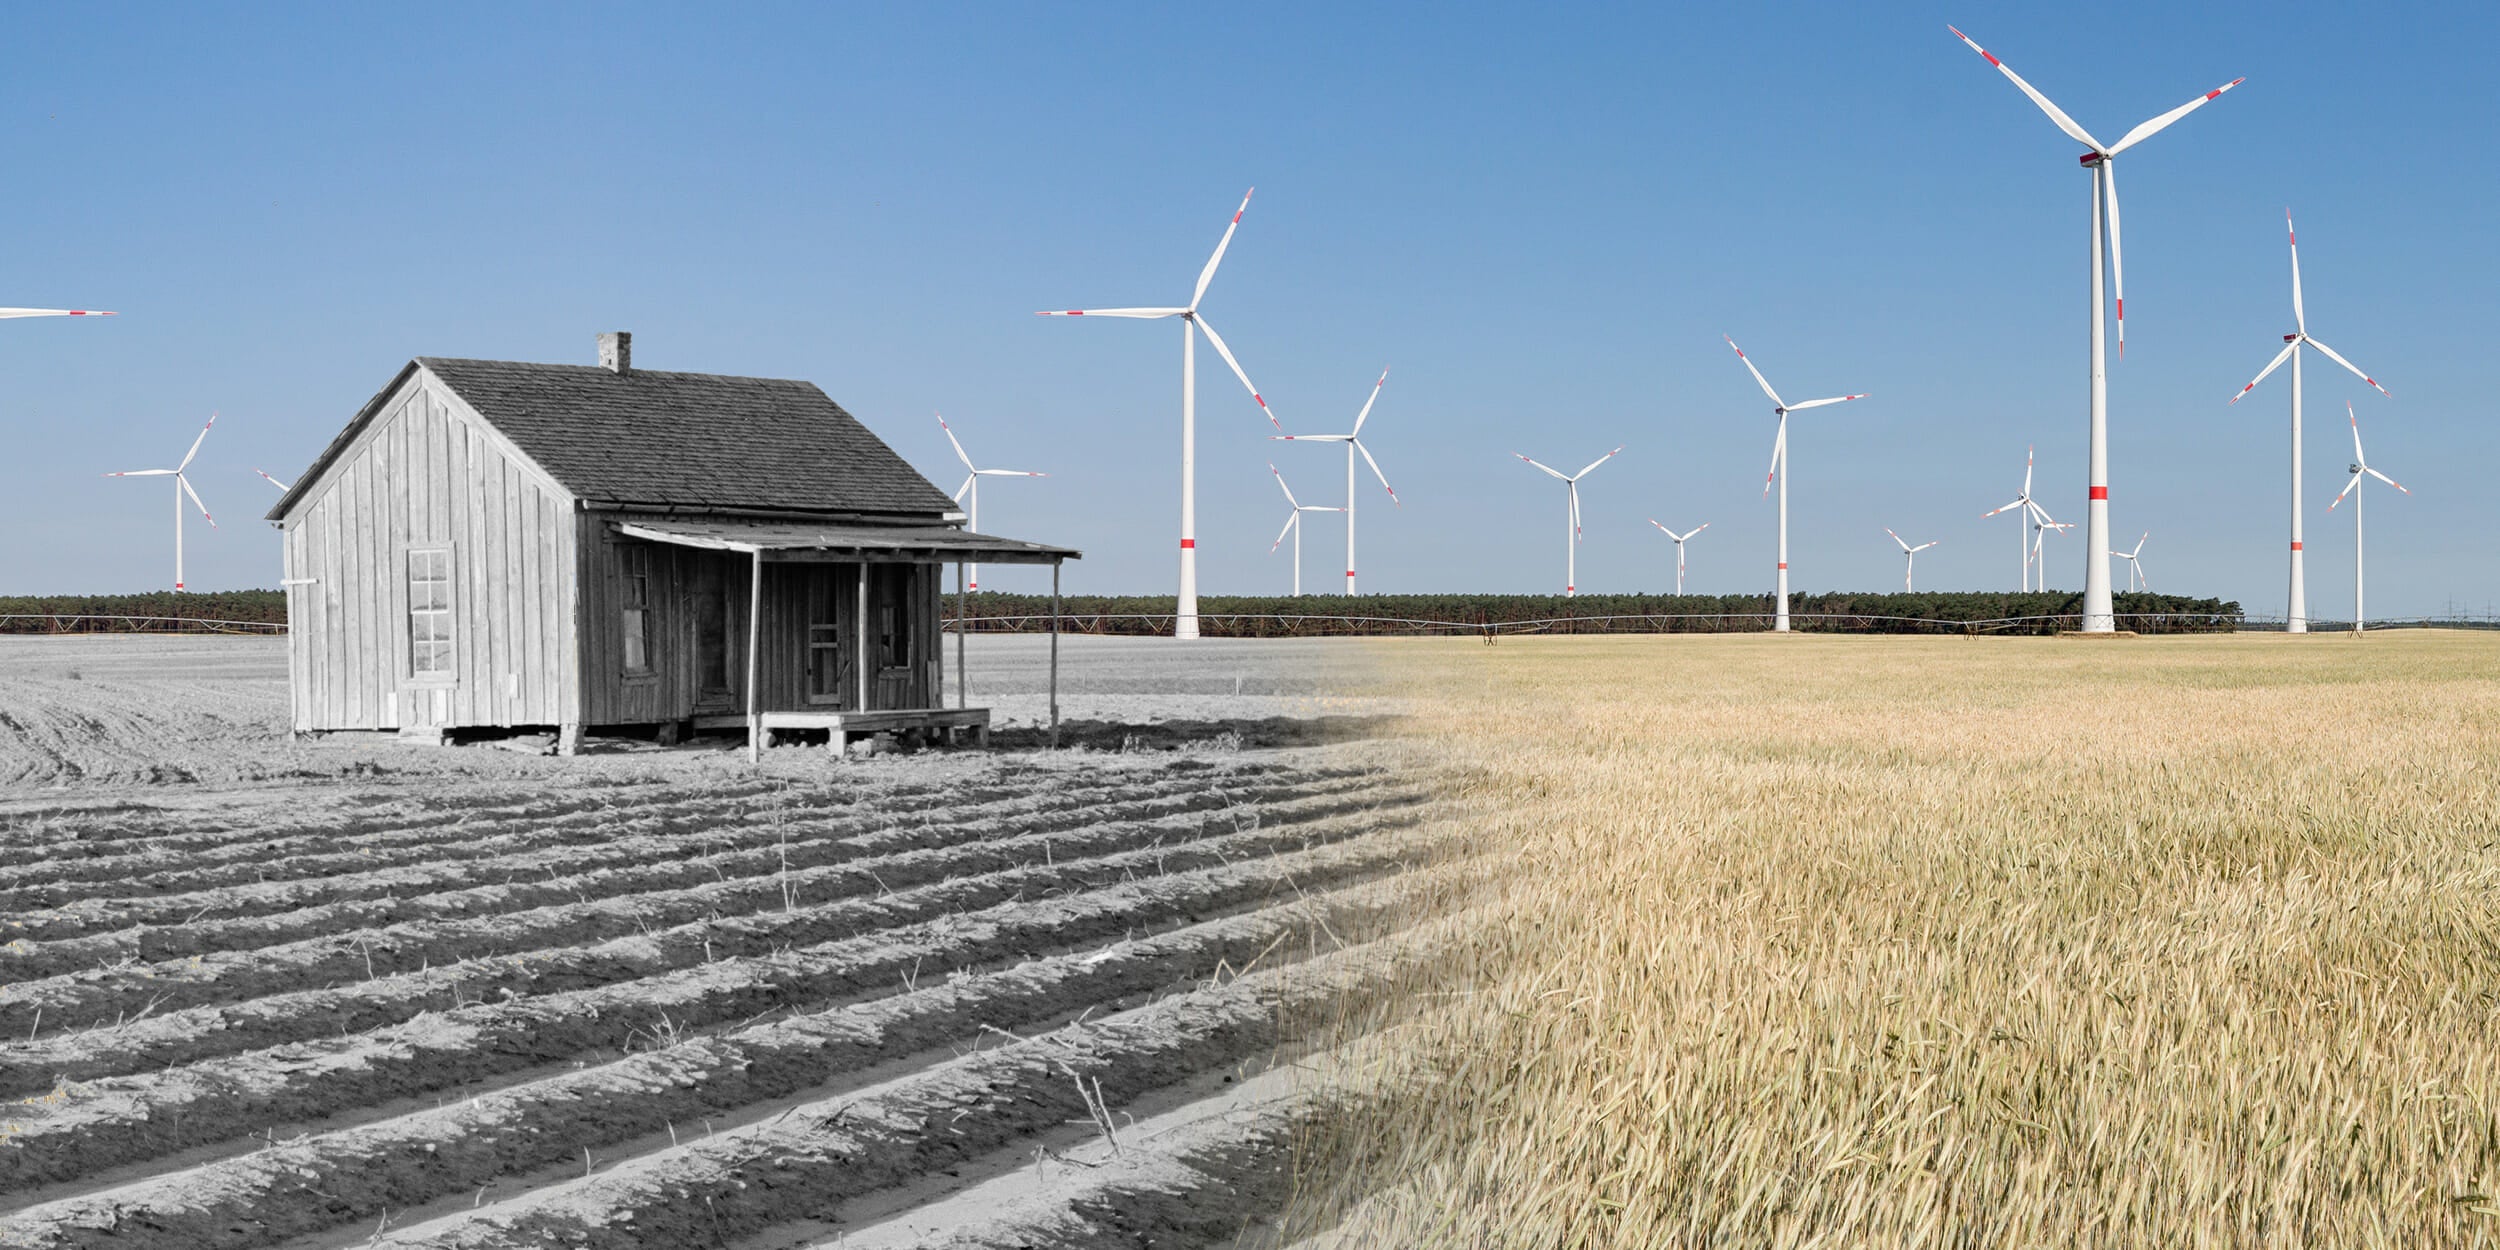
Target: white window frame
[{"x": 433, "y": 652}]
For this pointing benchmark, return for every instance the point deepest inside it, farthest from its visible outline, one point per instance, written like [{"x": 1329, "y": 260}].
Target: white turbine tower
[
  {"x": 2296, "y": 616},
  {"x": 1353, "y": 441},
  {"x": 1293, "y": 526},
  {"x": 1680, "y": 540},
  {"x": 1571, "y": 535},
  {"x": 1910, "y": 556},
  {"x": 1185, "y": 619},
  {"x": 2023, "y": 501},
  {"x": 2135, "y": 564},
  {"x": 182, "y": 487},
  {"x": 2101, "y": 160},
  {"x": 1779, "y": 466},
  {"x": 2360, "y": 465},
  {"x": 972, "y": 488}
]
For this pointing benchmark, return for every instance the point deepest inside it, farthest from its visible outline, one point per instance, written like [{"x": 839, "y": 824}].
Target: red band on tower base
[
  {"x": 2295, "y": 546},
  {"x": 2100, "y": 492},
  {"x": 1783, "y": 565},
  {"x": 1188, "y": 543}
]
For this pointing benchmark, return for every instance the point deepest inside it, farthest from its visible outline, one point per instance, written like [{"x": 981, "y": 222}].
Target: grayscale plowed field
[{"x": 650, "y": 998}]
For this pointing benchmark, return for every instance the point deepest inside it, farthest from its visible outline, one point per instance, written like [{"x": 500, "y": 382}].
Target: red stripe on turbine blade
[
  {"x": 2100, "y": 492},
  {"x": 1992, "y": 58}
]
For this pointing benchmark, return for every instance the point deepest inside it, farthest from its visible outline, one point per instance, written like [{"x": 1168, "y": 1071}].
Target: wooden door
[
  {"x": 717, "y": 674},
  {"x": 892, "y": 640},
  {"x": 826, "y": 592}
]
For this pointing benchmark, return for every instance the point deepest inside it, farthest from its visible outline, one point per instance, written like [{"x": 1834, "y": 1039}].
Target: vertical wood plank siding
[{"x": 427, "y": 473}]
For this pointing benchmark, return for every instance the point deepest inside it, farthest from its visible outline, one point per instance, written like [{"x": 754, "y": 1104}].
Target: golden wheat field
[{"x": 1826, "y": 941}]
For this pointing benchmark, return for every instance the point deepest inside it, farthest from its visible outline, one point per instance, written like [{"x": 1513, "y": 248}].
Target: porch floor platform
[{"x": 840, "y": 725}]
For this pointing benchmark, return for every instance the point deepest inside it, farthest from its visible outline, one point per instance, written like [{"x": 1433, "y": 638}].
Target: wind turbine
[
  {"x": 2023, "y": 501},
  {"x": 1185, "y": 618},
  {"x": 1293, "y": 526},
  {"x": 1910, "y": 562},
  {"x": 2097, "y": 614},
  {"x": 1353, "y": 441},
  {"x": 1779, "y": 467},
  {"x": 2360, "y": 465},
  {"x": 2040, "y": 527},
  {"x": 1680, "y": 540},
  {"x": 2135, "y": 564},
  {"x": 2296, "y": 616},
  {"x": 182, "y": 486},
  {"x": 972, "y": 487},
  {"x": 1571, "y": 539}
]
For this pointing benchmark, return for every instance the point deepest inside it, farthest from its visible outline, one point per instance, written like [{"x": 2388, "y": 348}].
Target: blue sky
[{"x": 1542, "y": 222}]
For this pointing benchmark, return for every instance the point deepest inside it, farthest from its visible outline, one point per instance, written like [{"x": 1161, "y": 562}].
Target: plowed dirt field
[{"x": 362, "y": 994}]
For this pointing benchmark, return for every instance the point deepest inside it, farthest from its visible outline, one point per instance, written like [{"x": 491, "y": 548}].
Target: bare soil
[{"x": 350, "y": 992}]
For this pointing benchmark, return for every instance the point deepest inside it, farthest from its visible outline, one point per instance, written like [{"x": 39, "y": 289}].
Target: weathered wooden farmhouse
[{"x": 495, "y": 545}]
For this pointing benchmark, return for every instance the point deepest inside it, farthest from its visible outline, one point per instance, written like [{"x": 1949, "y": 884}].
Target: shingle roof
[{"x": 693, "y": 440}]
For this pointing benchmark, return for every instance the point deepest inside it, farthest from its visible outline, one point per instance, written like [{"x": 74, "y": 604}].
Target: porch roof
[{"x": 943, "y": 544}]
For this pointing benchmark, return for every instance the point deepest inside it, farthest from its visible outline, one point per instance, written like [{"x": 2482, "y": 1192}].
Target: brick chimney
[{"x": 616, "y": 352}]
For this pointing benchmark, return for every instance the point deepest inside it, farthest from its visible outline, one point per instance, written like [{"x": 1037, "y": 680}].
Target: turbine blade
[
  {"x": 2158, "y": 124},
  {"x": 1549, "y": 469},
  {"x": 2117, "y": 257},
  {"x": 1217, "y": 342},
  {"x": 1817, "y": 403},
  {"x": 1575, "y": 510},
  {"x": 1664, "y": 530},
  {"x": 2300, "y": 320},
  {"x": 2356, "y": 433},
  {"x": 273, "y": 481},
  {"x": 1007, "y": 473},
  {"x": 1384, "y": 478},
  {"x": 52, "y": 312},
  {"x": 2356, "y": 369},
  {"x": 2029, "y": 455},
  {"x": 2384, "y": 478},
  {"x": 2139, "y": 545},
  {"x": 142, "y": 473},
  {"x": 185, "y": 484},
  {"x": 1207, "y": 274},
  {"x": 2271, "y": 366},
  {"x": 1779, "y": 452},
  {"x": 1280, "y": 485},
  {"x": 959, "y": 491},
  {"x": 2016, "y": 504},
  {"x": 1925, "y": 545},
  {"x": 2339, "y": 495},
  {"x": 1360, "y": 417},
  {"x": 195, "y": 443},
  {"x": 960, "y": 454},
  {"x": 1114, "y": 312},
  {"x": 1292, "y": 519},
  {"x": 2056, "y": 114},
  {"x": 1698, "y": 528},
  {"x": 1758, "y": 379},
  {"x": 1594, "y": 463},
  {"x": 1897, "y": 538}
]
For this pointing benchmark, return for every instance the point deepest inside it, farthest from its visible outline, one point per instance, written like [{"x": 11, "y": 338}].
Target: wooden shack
[{"x": 491, "y": 545}]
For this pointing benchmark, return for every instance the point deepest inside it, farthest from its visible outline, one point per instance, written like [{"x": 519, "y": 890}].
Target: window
[
  {"x": 637, "y": 604},
  {"x": 429, "y": 613}
]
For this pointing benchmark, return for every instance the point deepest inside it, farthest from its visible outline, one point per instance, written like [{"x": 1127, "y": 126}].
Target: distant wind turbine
[
  {"x": 1571, "y": 536},
  {"x": 1779, "y": 466},
  {"x": 972, "y": 488},
  {"x": 1293, "y": 526},
  {"x": 1185, "y": 618},
  {"x": 1353, "y": 441},
  {"x": 182, "y": 487},
  {"x": 2098, "y": 616},
  {"x": 2135, "y": 564},
  {"x": 2296, "y": 615},
  {"x": 2360, "y": 465},
  {"x": 1680, "y": 540},
  {"x": 2023, "y": 501},
  {"x": 1910, "y": 562}
]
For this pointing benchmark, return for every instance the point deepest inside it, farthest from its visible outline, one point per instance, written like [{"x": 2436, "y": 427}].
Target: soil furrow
[
  {"x": 230, "y": 976},
  {"x": 803, "y": 1162},
  {"x": 450, "y": 844},
  {"x": 190, "y": 1035},
  {"x": 121, "y": 1121},
  {"x": 275, "y": 914}
]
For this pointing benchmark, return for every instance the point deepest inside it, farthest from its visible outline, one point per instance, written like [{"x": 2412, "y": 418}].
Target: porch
[{"x": 842, "y": 628}]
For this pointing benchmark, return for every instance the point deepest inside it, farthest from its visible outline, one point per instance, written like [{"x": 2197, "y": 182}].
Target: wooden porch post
[
  {"x": 755, "y": 634},
  {"x": 963, "y": 605},
  {"x": 1054, "y": 654},
  {"x": 860, "y": 670}
]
